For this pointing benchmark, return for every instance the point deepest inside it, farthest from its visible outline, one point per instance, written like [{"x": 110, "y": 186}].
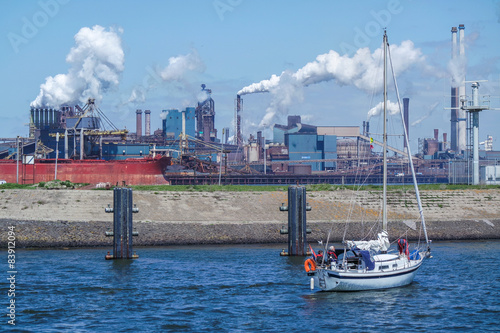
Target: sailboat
[{"x": 369, "y": 265}]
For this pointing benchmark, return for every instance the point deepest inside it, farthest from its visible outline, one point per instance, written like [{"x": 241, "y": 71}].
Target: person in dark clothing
[{"x": 319, "y": 257}]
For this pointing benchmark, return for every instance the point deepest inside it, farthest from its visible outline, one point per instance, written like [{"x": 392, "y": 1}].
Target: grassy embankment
[
  {"x": 250, "y": 188},
  {"x": 309, "y": 188}
]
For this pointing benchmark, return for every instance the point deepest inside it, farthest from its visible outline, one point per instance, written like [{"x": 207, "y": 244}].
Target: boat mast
[
  {"x": 410, "y": 160},
  {"x": 384, "y": 205}
]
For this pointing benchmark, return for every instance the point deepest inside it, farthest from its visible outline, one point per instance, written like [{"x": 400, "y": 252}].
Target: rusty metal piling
[
  {"x": 297, "y": 229},
  {"x": 122, "y": 224}
]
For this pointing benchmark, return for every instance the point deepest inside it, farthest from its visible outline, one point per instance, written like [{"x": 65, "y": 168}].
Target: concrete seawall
[{"x": 66, "y": 218}]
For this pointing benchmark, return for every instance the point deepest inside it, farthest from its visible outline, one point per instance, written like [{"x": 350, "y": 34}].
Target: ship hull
[
  {"x": 145, "y": 171},
  {"x": 356, "y": 280}
]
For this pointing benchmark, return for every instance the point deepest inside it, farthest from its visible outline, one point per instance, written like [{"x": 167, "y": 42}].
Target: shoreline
[
  {"x": 59, "y": 234},
  {"x": 76, "y": 218}
]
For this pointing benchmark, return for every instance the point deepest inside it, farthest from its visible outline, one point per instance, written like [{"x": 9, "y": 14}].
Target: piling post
[
  {"x": 297, "y": 222},
  {"x": 122, "y": 224}
]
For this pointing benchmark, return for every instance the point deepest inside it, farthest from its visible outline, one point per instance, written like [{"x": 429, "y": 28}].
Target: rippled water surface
[{"x": 245, "y": 288}]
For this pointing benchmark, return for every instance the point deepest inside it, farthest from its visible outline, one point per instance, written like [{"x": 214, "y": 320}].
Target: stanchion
[
  {"x": 122, "y": 224},
  {"x": 297, "y": 229}
]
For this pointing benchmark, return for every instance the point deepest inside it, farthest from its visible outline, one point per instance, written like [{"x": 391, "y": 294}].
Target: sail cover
[{"x": 380, "y": 244}]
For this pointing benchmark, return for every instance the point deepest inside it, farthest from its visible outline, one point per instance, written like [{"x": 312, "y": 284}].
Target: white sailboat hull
[{"x": 333, "y": 279}]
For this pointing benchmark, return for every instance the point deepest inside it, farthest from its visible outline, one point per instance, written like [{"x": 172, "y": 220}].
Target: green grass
[
  {"x": 11, "y": 186},
  {"x": 209, "y": 188},
  {"x": 264, "y": 188},
  {"x": 309, "y": 188},
  {"x": 48, "y": 185},
  {"x": 430, "y": 187}
]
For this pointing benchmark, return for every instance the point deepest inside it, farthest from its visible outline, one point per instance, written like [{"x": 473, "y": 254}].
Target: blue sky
[{"x": 239, "y": 42}]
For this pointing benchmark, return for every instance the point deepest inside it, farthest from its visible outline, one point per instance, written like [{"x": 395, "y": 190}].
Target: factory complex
[{"x": 81, "y": 144}]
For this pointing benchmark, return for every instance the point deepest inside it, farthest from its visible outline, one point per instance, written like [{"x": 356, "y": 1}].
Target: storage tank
[{"x": 252, "y": 152}]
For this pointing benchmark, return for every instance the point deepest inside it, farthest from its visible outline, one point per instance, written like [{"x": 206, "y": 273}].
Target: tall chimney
[
  {"x": 147, "y": 119},
  {"x": 436, "y": 134},
  {"x": 239, "y": 105},
  {"x": 259, "y": 143},
  {"x": 454, "y": 96},
  {"x": 138, "y": 123},
  {"x": 445, "y": 143},
  {"x": 406, "y": 105},
  {"x": 462, "y": 120},
  {"x": 183, "y": 131}
]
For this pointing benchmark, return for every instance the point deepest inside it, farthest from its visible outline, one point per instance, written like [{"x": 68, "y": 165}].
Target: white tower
[
  {"x": 462, "y": 120},
  {"x": 474, "y": 108}
]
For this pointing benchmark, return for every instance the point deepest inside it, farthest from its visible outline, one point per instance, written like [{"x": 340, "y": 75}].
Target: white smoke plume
[
  {"x": 359, "y": 70},
  {"x": 180, "y": 65},
  {"x": 96, "y": 60},
  {"x": 262, "y": 86},
  {"x": 164, "y": 115},
  {"x": 284, "y": 95},
  {"x": 363, "y": 70},
  {"x": 177, "y": 70},
  {"x": 137, "y": 95},
  {"x": 430, "y": 111},
  {"x": 392, "y": 108},
  {"x": 456, "y": 68},
  {"x": 202, "y": 96}
]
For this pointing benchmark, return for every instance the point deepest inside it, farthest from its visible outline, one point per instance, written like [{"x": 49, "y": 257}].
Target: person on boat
[
  {"x": 331, "y": 255},
  {"x": 403, "y": 247},
  {"x": 319, "y": 257}
]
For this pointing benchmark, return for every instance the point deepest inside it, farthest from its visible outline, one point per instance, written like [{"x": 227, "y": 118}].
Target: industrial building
[
  {"x": 296, "y": 151},
  {"x": 306, "y": 145},
  {"x": 172, "y": 120},
  {"x": 205, "y": 117}
]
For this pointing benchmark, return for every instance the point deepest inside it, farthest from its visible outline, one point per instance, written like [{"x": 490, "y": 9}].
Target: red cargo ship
[{"x": 143, "y": 171}]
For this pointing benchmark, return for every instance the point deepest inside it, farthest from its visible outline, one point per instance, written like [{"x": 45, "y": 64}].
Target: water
[{"x": 245, "y": 288}]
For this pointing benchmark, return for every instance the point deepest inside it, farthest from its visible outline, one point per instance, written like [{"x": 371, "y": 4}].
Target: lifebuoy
[{"x": 310, "y": 265}]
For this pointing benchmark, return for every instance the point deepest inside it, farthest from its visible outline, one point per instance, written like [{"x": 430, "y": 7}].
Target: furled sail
[{"x": 381, "y": 244}]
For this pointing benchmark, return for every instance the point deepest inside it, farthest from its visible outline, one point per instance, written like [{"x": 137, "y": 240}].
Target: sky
[{"x": 320, "y": 59}]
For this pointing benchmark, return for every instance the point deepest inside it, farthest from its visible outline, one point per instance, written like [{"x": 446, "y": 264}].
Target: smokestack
[
  {"x": 367, "y": 128},
  {"x": 147, "y": 119},
  {"x": 239, "y": 105},
  {"x": 462, "y": 135},
  {"x": 183, "y": 113},
  {"x": 138, "y": 123},
  {"x": 406, "y": 105},
  {"x": 259, "y": 143},
  {"x": 436, "y": 134},
  {"x": 454, "y": 96},
  {"x": 445, "y": 143}
]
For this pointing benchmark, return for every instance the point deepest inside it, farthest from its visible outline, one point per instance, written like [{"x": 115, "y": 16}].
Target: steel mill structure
[{"x": 80, "y": 144}]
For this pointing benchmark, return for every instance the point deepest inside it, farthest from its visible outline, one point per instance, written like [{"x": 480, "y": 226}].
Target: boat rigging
[{"x": 368, "y": 265}]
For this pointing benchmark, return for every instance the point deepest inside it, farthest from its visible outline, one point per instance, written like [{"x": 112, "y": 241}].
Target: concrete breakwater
[{"x": 66, "y": 218}]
